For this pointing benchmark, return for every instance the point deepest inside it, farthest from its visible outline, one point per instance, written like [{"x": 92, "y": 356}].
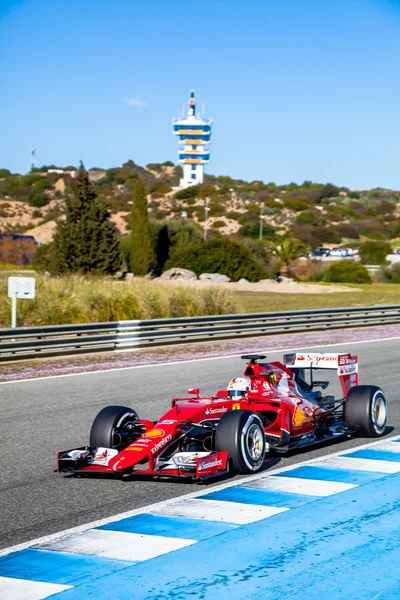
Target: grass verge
[
  {"x": 76, "y": 299},
  {"x": 363, "y": 295}
]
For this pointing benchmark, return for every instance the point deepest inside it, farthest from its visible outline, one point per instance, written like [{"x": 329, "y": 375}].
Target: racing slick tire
[
  {"x": 365, "y": 410},
  {"x": 241, "y": 434},
  {"x": 111, "y": 418}
]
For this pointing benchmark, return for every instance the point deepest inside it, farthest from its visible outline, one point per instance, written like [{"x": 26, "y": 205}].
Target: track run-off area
[{"x": 345, "y": 523}]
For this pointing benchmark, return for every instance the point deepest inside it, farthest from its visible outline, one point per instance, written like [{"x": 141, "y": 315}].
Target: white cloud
[{"x": 137, "y": 102}]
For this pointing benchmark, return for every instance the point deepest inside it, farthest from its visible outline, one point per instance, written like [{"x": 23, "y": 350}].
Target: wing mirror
[{"x": 194, "y": 391}]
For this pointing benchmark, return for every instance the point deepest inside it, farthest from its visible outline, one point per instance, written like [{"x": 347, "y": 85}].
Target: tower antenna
[{"x": 194, "y": 133}]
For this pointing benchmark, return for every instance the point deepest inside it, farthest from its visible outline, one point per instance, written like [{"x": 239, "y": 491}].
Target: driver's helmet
[{"x": 238, "y": 387}]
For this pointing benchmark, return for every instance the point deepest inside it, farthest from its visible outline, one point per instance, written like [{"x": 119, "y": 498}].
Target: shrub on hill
[
  {"x": 373, "y": 229},
  {"x": 295, "y": 204},
  {"x": 190, "y": 192},
  {"x": 217, "y": 256},
  {"x": 309, "y": 217},
  {"x": 374, "y": 252},
  {"x": 346, "y": 271},
  {"x": 345, "y": 230},
  {"x": 252, "y": 230}
]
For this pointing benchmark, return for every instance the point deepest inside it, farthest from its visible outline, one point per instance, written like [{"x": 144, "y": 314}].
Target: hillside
[{"x": 315, "y": 213}]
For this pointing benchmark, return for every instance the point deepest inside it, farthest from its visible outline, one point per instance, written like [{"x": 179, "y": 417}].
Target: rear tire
[
  {"x": 365, "y": 410},
  {"x": 109, "y": 426},
  {"x": 241, "y": 434}
]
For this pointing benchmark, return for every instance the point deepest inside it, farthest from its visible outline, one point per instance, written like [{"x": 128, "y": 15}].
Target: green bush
[
  {"x": 190, "y": 192},
  {"x": 309, "y": 217},
  {"x": 295, "y": 204},
  {"x": 374, "y": 252},
  {"x": 252, "y": 230},
  {"x": 218, "y": 224},
  {"x": 345, "y": 230},
  {"x": 217, "y": 256},
  {"x": 347, "y": 271},
  {"x": 392, "y": 274}
]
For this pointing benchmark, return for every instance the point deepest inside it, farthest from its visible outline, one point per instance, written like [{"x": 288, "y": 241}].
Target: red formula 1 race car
[{"x": 272, "y": 409}]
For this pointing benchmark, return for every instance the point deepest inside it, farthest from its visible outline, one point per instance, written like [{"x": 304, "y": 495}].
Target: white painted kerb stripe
[
  {"x": 359, "y": 464},
  {"x": 296, "y": 485},
  {"x": 153, "y": 508},
  {"x": 117, "y": 544},
  {"x": 217, "y": 510},
  {"x": 23, "y": 589},
  {"x": 389, "y": 447}
]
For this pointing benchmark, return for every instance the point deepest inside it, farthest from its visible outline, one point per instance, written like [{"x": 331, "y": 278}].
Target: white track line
[
  {"x": 116, "y": 544},
  {"x": 218, "y": 510},
  {"x": 180, "y": 362},
  {"x": 359, "y": 464},
  {"x": 160, "y": 505},
  {"x": 297, "y": 485},
  {"x": 25, "y": 589},
  {"x": 390, "y": 447}
]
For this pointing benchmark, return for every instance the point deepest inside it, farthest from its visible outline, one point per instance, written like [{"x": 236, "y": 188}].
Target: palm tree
[{"x": 287, "y": 249}]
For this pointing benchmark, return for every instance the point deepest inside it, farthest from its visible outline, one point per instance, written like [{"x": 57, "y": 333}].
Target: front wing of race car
[{"x": 84, "y": 461}]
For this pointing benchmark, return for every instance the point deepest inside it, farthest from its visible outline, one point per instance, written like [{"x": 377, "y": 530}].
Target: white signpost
[{"x": 19, "y": 287}]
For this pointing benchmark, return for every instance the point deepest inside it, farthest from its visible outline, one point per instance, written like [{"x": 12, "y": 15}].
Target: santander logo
[
  {"x": 209, "y": 464},
  {"x": 215, "y": 411}
]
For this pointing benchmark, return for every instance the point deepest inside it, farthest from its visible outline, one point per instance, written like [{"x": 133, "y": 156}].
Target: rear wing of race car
[{"x": 345, "y": 365}]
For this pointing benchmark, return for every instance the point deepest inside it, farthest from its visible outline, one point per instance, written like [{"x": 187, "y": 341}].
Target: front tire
[
  {"x": 241, "y": 434},
  {"x": 365, "y": 410},
  {"x": 111, "y": 427}
]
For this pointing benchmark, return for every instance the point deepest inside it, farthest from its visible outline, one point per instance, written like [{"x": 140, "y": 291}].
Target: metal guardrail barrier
[{"x": 31, "y": 342}]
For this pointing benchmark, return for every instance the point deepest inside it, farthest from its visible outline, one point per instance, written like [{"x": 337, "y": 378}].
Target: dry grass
[
  {"x": 76, "y": 299},
  {"x": 363, "y": 295}
]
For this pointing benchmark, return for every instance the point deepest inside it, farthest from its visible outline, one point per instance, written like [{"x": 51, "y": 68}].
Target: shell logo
[
  {"x": 155, "y": 433},
  {"x": 236, "y": 407},
  {"x": 299, "y": 417}
]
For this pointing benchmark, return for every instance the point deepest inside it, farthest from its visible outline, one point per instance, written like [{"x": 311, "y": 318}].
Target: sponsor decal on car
[
  {"x": 348, "y": 370},
  {"x": 134, "y": 449},
  {"x": 208, "y": 464},
  {"x": 160, "y": 445},
  {"x": 155, "y": 433},
  {"x": 168, "y": 422},
  {"x": 299, "y": 417},
  {"x": 214, "y": 411},
  {"x": 235, "y": 406},
  {"x": 103, "y": 456}
]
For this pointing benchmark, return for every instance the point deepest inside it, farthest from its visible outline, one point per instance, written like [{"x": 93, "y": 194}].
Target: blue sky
[{"x": 298, "y": 89}]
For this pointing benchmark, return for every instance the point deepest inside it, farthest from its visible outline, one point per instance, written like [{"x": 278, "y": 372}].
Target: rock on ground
[
  {"x": 214, "y": 277},
  {"x": 178, "y": 274}
]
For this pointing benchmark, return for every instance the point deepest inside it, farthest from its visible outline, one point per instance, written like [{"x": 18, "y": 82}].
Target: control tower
[{"x": 194, "y": 144}]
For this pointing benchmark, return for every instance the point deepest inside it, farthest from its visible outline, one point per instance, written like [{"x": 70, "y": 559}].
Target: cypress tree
[
  {"x": 142, "y": 257},
  {"x": 86, "y": 241}
]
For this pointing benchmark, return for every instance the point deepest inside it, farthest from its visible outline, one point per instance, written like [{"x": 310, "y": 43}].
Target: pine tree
[
  {"x": 87, "y": 240},
  {"x": 142, "y": 258}
]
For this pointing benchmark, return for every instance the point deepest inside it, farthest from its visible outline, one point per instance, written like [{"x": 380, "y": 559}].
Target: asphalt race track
[{"x": 42, "y": 416}]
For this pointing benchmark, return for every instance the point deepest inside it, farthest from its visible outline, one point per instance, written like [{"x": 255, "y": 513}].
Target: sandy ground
[{"x": 268, "y": 286}]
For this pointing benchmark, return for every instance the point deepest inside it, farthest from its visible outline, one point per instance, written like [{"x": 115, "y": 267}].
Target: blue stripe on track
[
  {"x": 180, "y": 527},
  {"x": 343, "y": 546},
  {"x": 248, "y": 495},
  {"x": 58, "y": 567},
  {"x": 375, "y": 455},
  {"x": 327, "y": 474}
]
